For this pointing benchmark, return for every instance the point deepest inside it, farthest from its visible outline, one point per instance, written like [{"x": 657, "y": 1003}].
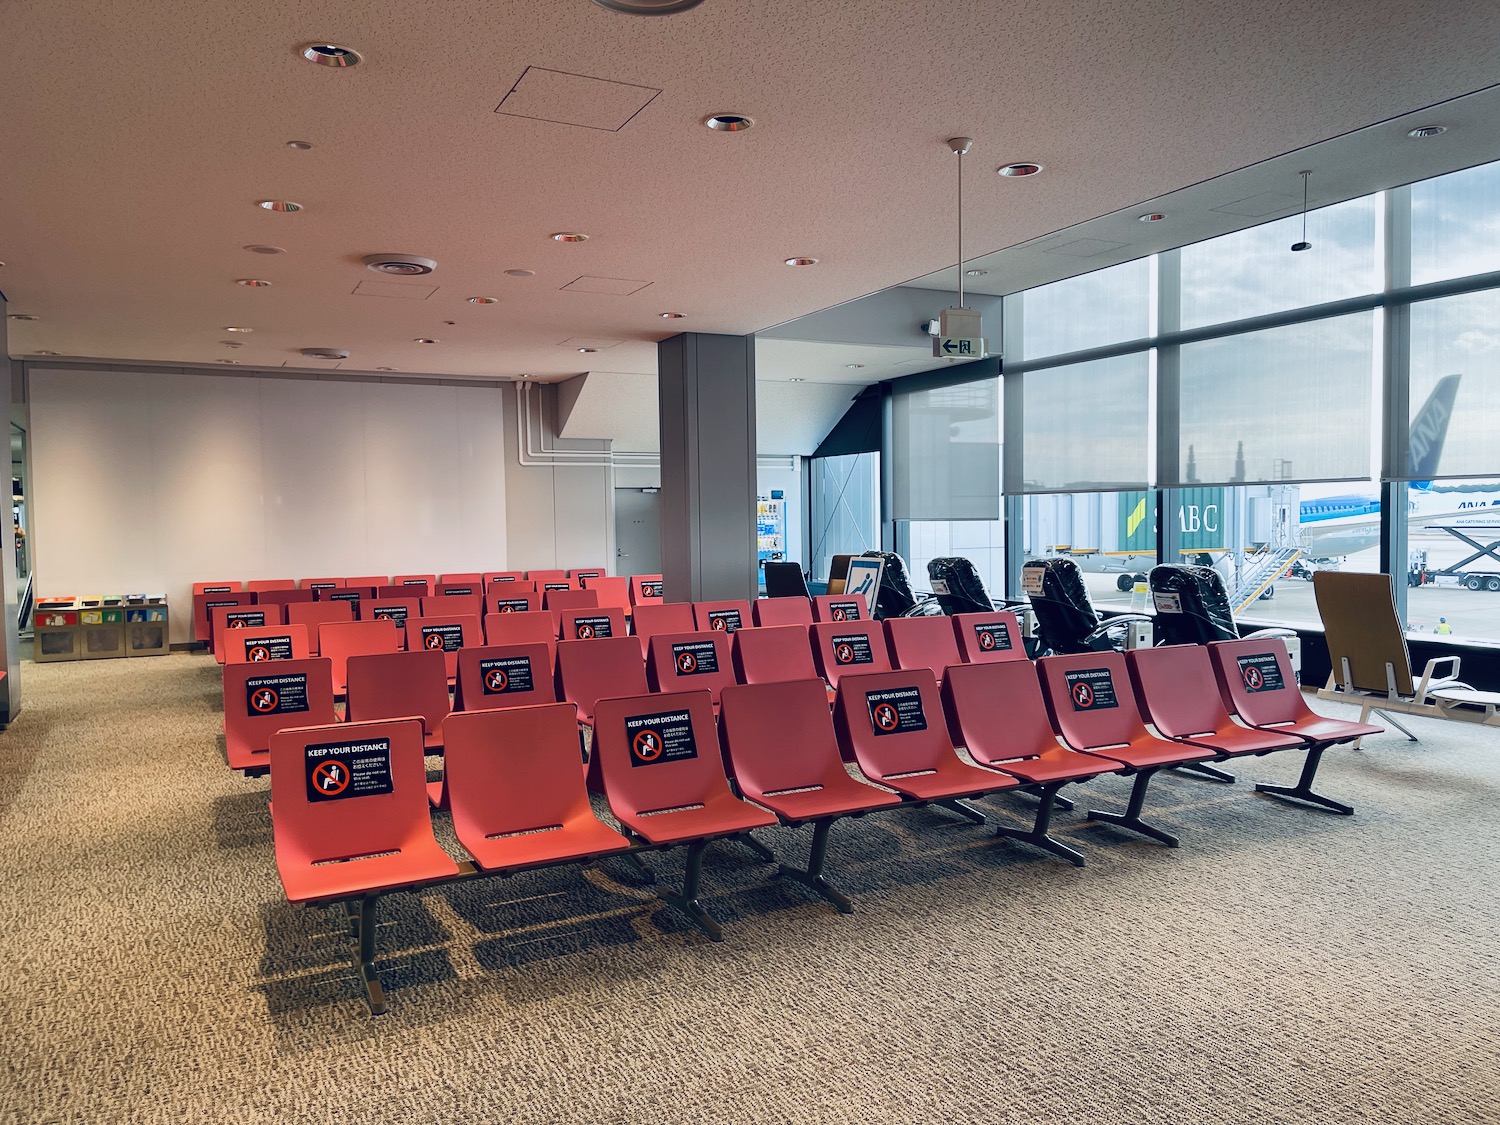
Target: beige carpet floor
[{"x": 1283, "y": 965}]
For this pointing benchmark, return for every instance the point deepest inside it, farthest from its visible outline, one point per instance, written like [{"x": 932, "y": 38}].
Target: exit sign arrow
[{"x": 958, "y": 347}]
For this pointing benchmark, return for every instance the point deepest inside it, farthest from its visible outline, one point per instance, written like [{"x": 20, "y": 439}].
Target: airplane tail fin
[{"x": 1430, "y": 427}]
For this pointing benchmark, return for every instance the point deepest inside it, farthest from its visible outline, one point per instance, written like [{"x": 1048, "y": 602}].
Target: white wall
[{"x": 147, "y": 481}]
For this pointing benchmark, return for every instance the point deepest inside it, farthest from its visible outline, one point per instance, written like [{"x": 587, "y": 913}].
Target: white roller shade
[{"x": 945, "y": 445}]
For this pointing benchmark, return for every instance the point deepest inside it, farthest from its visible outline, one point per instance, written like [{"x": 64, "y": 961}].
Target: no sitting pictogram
[
  {"x": 238, "y": 623},
  {"x": 886, "y": 717},
  {"x": 330, "y": 778},
  {"x": 258, "y": 652},
  {"x": 719, "y": 624},
  {"x": 1253, "y": 678},
  {"x": 986, "y": 640},
  {"x": 585, "y": 631},
  {"x": 1083, "y": 695},
  {"x": 844, "y": 654},
  {"x": 686, "y": 662},
  {"x": 265, "y": 700},
  {"x": 839, "y": 614},
  {"x": 647, "y": 746},
  {"x": 434, "y": 640},
  {"x": 496, "y": 679}
]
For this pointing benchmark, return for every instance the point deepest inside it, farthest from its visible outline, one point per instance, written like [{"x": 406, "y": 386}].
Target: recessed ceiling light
[
  {"x": 253, "y": 282},
  {"x": 975, "y": 273},
  {"x": 234, "y": 328},
  {"x": 231, "y": 343},
  {"x": 729, "y": 122},
  {"x": 648, "y": 7},
  {"x": 671, "y": 316},
  {"x": 1422, "y": 132},
  {"x": 588, "y": 351},
  {"x": 484, "y": 300},
  {"x": 256, "y": 248},
  {"x": 794, "y": 379},
  {"x": 854, "y": 366},
  {"x": 299, "y": 146},
  {"x": 423, "y": 340},
  {"x": 226, "y": 361},
  {"x": 2, "y": 265},
  {"x": 399, "y": 265},
  {"x": 284, "y": 206},
  {"x": 569, "y": 236},
  {"x": 46, "y": 353},
  {"x": 22, "y": 316},
  {"x": 329, "y": 54},
  {"x": 802, "y": 261},
  {"x": 385, "y": 369},
  {"x": 1151, "y": 217},
  {"x": 520, "y": 273},
  {"x": 1024, "y": 168}
]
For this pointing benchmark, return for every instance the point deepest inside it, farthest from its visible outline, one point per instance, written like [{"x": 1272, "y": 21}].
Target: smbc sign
[{"x": 1200, "y": 520}]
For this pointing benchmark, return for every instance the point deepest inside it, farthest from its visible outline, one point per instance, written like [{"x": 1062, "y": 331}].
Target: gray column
[
  {"x": 10, "y": 644},
  {"x": 707, "y": 399}
]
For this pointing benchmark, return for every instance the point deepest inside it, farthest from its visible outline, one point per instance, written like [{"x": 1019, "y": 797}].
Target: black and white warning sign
[
  {"x": 217, "y": 590},
  {"x": 992, "y": 636},
  {"x": 276, "y": 695},
  {"x": 556, "y": 586},
  {"x": 694, "y": 658},
  {"x": 458, "y": 591},
  {"x": 502, "y": 578},
  {"x": 382, "y": 611},
  {"x": 351, "y": 596},
  {"x": 505, "y": 675},
  {"x": 844, "y": 611},
  {"x": 1167, "y": 603},
  {"x": 511, "y": 605},
  {"x": 896, "y": 710},
  {"x": 322, "y": 586},
  {"x": 650, "y": 589},
  {"x": 211, "y": 605},
  {"x": 1031, "y": 580},
  {"x": 245, "y": 619},
  {"x": 1260, "y": 672},
  {"x": 268, "y": 648},
  {"x": 1091, "y": 689},
  {"x": 725, "y": 620},
  {"x": 852, "y": 648},
  {"x": 336, "y": 770},
  {"x": 447, "y": 638},
  {"x": 591, "y": 627},
  {"x": 582, "y": 574},
  {"x": 413, "y": 581},
  {"x": 663, "y": 737}
]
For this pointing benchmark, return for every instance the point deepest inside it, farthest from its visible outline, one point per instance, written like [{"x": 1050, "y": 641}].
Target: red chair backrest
[
  {"x": 654, "y": 752},
  {"x": 1091, "y": 700},
  {"x": 581, "y": 573},
  {"x": 511, "y": 597},
  {"x": 260, "y": 700},
  {"x": 651, "y": 618},
  {"x": 356, "y": 596},
  {"x": 535, "y": 626},
  {"x": 256, "y": 585},
  {"x": 724, "y": 616},
  {"x": 892, "y": 722},
  {"x": 225, "y": 587},
  {"x": 850, "y": 648},
  {"x": 465, "y": 578},
  {"x": 502, "y": 576},
  {"x": 448, "y": 633},
  {"x": 996, "y": 711},
  {"x": 588, "y": 671},
  {"x": 393, "y": 609},
  {"x": 1256, "y": 680},
  {"x": 374, "y": 785},
  {"x": 453, "y": 605},
  {"x": 414, "y": 581},
  {"x": 1176, "y": 690},
  {"x": 229, "y": 618},
  {"x": 339, "y": 640},
  {"x": 283, "y": 597},
  {"x": 593, "y": 623},
  {"x": 690, "y": 662},
  {"x": 840, "y": 607},
  {"x": 492, "y": 677},
  {"x": 469, "y": 592},
  {"x": 779, "y": 736},
  {"x": 373, "y": 581},
  {"x": 645, "y": 589},
  {"x": 204, "y": 603},
  {"x": 922, "y": 642},
  {"x": 316, "y": 614},
  {"x": 988, "y": 637},
  {"x": 773, "y": 653},
  {"x": 782, "y": 611},
  {"x": 269, "y": 642},
  {"x": 556, "y": 602},
  {"x": 540, "y": 576},
  {"x": 393, "y": 685},
  {"x": 611, "y": 591}
]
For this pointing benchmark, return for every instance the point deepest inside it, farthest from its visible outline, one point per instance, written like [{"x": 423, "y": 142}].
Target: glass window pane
[
  {"x": 1453, "y": 429},
  {"x": 1283, "y": 404},
  {"x": 1455, "y": 225},
  {"x": 1254, "y": 272},
  {"x": 1104, "y": 307},
  {"x": 1088, "y": 425},
  {"x": 945, "y": 449},
  {"x": 982, "y": 542},
  {"x": 1110, "y": 535},
  {"x": 1451, "y": 592},
  {"x": 845, "y": 508}
]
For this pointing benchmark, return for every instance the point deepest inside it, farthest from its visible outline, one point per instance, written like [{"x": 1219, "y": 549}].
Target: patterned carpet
[{"x": 1283, "y": 965}]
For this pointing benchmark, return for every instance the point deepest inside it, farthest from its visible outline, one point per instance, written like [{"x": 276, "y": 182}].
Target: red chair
[
  {"x": 465, "y": 578},
  {"x": 283, "y": 597},
  {"x": 996, "y": 712},
  {"x": 556, "y": 602},
  {"x": 269, "y": 642},
  {"x": 231, "y": 618},
  {"x": 260, "y": 700},
  {"x": 497, "y": 677},
  {"x": 350, "y": 822},
  {"x": 315, "y": 615},
  {"x": 448, "y": 633},
  {"x": 469, "y": 591},
  {"x": 1255, "y": 678},
  {"x": 511, "y": 597},
  {"x": 398, "y": 685},
  {"x": 779, "y": 738},
  {"x": 316, "y": 584},
  {"x": 393, "y": 609},
  {"x": 453, "y": 605},
  {"x": 651, "y": 618},
  {"x": 724, "y": 616},
  {"x": 356, "y": 596},
  {"x": 515, "y": 792},
  {"x": 782, "y": 611},
  {"x": 258, "y": 585},
  {"x": 205, "y": 602},
  {"x": 522, "y": 628},
  {"x": 1178, "y": 695},
  {"x": 659, "y": 761},
  {"x": 373, "y": 581},
  {"x": 1091, "y": 703},
  {"x": 774, "y": 653},
  {"x": 339, "y": 640},
  {"x": 922, "y": 642},
  {"x": 849, "y": 648},
  {"x": 221, "y": 587},
  {"x": 592, "y": 624},
  {"x": 645, "y": 589},
  {"x": 988, "y": 637},
  {"x": 891, "y": 724},
  {"x": 839, "y": 607},
  {"x": 588, "y": 671},
  {"x": 540, "y": 576},
  {"x": 690, "y": 662},
  {"x": 502, "y": 576},
  {"x": 583, "y": 573},
  {"x": 425, "y": 581},
  {"x": 612, "y": 592}
]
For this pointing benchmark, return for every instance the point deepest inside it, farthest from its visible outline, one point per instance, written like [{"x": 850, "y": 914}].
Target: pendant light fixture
[
  {"x": 1304, "y": 244},
  {"x": 960, "y": 333}
]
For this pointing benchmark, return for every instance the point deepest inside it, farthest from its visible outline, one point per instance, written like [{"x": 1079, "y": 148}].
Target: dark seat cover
[
  {"x": 1191, "y": 605},
  {"x": 1064, "y": 614},
  {"x": 894, "y": 596},
  {"x": 957, "y": 587}
]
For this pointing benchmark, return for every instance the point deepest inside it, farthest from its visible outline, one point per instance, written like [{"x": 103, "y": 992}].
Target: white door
[{"x": 637, "y": 531}]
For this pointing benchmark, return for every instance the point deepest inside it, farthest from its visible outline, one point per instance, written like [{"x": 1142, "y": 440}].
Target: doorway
[{"x": 637, "y": 531}]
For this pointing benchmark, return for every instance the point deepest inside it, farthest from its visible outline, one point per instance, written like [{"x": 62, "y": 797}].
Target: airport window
[
  {"x": 1107, "y": 306},
  {"x": 945, "y": 445},
  {"x": 1253, "y": 272},
  {"x": 845, "y": 505},
  {"x": 1453, "y": 559},
  {"x": 1454, "y": 227},
  {"x": 1110, "y": 535},
  {"x": 982, "y": 542},
  {"x": 1089, "y": 424},
  {"x": 1455, "y": 385}
]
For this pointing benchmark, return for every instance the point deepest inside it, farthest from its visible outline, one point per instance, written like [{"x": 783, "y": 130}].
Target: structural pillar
[{"x": 706, "y": 393}]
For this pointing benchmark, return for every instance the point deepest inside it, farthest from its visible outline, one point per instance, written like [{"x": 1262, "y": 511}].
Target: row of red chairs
[{"x": 351, "y": 818}]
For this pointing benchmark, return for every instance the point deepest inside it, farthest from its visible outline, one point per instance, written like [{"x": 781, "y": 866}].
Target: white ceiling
[{"x": 139, "y": 136}]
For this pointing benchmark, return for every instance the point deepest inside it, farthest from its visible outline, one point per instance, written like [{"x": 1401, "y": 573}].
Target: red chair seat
[
  {"x": 579, "y": 837},
  {"x": 418, "y": 861},
  {"x": 1148, "y": 750},
  {"x": 833, "y": 798},
  {"x": 955, "y": 779},
  {"x": 1058, "y": 764},
  {"x": 722, "y": 815}
]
